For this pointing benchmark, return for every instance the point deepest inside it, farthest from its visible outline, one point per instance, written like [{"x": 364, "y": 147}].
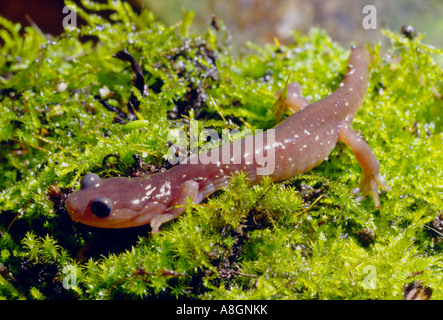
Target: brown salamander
[{"x": 297, "y": 145}]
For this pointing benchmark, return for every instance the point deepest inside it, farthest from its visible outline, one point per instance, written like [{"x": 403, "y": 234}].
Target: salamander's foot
[{"x": 368, "y": 185}]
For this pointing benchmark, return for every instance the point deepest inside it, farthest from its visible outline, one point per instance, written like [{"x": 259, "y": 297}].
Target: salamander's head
[{"x": 113, "y": 203}]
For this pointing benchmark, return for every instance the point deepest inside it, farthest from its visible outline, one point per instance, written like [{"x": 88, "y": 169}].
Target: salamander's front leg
[
  {"x": 188, "y": 189},
  {"x": 368, "y": 161}
]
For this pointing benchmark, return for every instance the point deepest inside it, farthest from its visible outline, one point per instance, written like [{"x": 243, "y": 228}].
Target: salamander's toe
[
  {"x": 382, "y": 183},
  {"x": 355, "y": 191},
  {"x": 369, "y": 185}
]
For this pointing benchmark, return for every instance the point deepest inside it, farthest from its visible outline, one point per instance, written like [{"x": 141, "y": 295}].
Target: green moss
[{"x": 305, "y": 238}]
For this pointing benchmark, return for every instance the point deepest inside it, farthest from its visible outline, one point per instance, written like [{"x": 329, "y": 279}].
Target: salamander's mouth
[{"x": 117, "y": 218}]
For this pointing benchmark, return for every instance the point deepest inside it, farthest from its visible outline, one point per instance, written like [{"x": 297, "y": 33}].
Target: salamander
[{"x": 298, "y": 144}]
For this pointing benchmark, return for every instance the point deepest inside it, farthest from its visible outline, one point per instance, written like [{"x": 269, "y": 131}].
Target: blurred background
[{"x": 262, "y": 20}]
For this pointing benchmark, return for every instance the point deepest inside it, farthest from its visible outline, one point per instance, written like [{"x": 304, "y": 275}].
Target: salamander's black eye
[
  {"x": 90, "y": 180},
  {"x": 101, "y": 207}
]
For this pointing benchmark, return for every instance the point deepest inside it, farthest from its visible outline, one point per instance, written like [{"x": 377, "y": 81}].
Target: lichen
[{"x": 305, "y": 238}]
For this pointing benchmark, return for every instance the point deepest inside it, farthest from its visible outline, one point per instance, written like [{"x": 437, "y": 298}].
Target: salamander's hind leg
[
  {"x": 188, "y": 189},
  {"x": 293, "y": 99},
  {"x": 369, "y": 163}
]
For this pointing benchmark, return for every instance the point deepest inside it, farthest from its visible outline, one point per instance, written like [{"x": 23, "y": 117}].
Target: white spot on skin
[
  {"x": 149, "y": 191},
  {"x": 165, "y": 190},
  {"x": 316, "y": 138},
  {"x": 307, "y": 132}
]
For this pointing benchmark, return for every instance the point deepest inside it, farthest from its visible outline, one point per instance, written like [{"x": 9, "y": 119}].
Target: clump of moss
[{"x": 64, "y": 106}]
